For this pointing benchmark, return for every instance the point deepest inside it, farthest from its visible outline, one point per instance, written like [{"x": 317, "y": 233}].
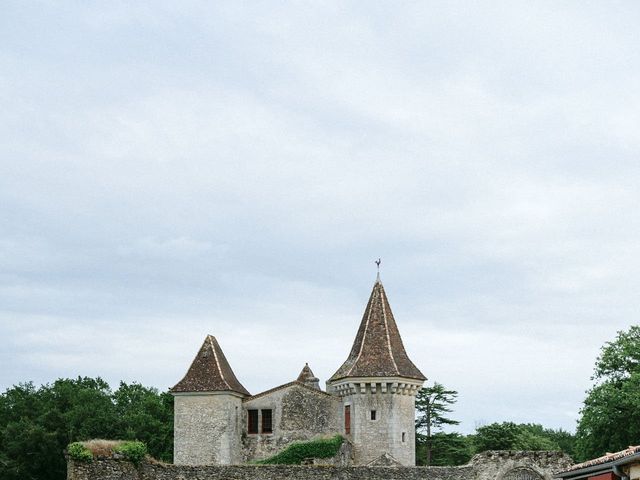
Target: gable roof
[
  {"x": 210, "y": 372},
  {"x": 378, "y": 350}
]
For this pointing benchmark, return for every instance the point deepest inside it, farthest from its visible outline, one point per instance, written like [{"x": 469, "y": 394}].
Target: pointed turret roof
[
  {"x": 378, "y": 350},
  {"x": 210, "y": 372},
  {"x": 308, "y": 378},
  {"x": 306, "y": 374}
]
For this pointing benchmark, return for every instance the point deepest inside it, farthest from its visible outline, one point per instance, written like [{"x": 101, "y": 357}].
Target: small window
[
  {"x": 267, "y": 421},
  {"x": 253, "y": 421},
  {"x": 404, "y": 436},
  {"x": 347, "y": 419},
  {"x": 373, "y": 414}
]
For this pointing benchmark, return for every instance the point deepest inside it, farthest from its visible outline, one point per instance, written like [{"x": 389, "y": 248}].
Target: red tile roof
[
  {"x": 609, "y": 457},
  {"x": 378, "y": 350},
  {"x": 210, "y": 372}
]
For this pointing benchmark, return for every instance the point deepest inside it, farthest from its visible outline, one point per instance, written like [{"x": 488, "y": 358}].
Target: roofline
[
  {"x": 207, "y": 393},
  {"x": 587, "y": 471},
  {"x": 381, "y": 379},
  {"x": 285, "y": 385}
]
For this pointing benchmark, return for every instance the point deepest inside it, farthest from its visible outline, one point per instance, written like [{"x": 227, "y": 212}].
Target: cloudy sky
[{"x": 172, "y": 169}]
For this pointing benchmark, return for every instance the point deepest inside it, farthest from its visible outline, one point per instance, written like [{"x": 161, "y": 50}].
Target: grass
[{"x": 86, "y": 451}]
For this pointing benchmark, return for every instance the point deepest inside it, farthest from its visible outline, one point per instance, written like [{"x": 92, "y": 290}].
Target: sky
[{"x": 170, "y": 170}]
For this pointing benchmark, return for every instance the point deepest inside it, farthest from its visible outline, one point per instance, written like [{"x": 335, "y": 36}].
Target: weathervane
[{"x": 378, "y": 262}]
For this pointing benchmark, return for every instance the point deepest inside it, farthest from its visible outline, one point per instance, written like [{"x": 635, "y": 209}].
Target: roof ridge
[
  {"x": 212, "y": 339},
  {"x": 285, "y": 385}
]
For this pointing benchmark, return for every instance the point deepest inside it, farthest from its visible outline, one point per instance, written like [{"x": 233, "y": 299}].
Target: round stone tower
[
  {"x": 208, "y": 410},
  {"x": 378, "y": 384}
]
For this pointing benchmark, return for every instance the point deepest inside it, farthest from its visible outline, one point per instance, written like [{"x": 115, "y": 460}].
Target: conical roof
[
  {"x": 210, "y": 372},
  {"x": 378, "y": 350},
  {"x": 306, "y": 374}
]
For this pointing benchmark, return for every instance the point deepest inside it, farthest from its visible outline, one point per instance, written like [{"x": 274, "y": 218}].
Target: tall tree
[
  {"x": 432, "y": 406},
  {"x": 610, "y": 416}
]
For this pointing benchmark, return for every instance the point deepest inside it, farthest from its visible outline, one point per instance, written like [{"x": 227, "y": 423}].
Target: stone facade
[
  {"x": 299, "y": 412},
  {"x": 487, "y": 466},
  {"x": 209, "y": 428},
  {"x": 382, "y": 420},
  {"x": 370, "y": 400}
]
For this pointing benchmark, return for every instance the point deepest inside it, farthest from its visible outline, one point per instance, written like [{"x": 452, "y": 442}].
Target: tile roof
[
  {"x": 609, "y": 457},
  {"x": 210, "y": 372},
  {"x": 378, "y": 350}
]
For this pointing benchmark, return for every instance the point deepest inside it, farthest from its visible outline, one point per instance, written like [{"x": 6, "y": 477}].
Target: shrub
[
  {"x": 295, "y": 453},
  {"x": 132, "y": 451},
  {"x": 79, "y": 452}
]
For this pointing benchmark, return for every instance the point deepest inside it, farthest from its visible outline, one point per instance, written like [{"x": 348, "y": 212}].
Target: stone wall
[
  {"x": 207, "y": 428},
  {"x": 299, "y": 413},
  {"x": 392, "y": 431},
  {"x": 487, "y": 466},
  {"x": 506, "y": 465}
]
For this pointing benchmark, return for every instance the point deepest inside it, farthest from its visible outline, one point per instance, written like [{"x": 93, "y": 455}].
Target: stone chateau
[{"x": 370, "y": 400}]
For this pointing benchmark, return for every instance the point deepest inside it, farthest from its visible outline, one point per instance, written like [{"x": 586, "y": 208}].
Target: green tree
[
  {"x": 524, "y": 436},
  {"x": 432, "y": 406},
  {"x": 610, "y": 416},
  {"x": 446, "y": 449},
  {"x": 145, "y": 415},
  {"x": 36, "y": 424}
]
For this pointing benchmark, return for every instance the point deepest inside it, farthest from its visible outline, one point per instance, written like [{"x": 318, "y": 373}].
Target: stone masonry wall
[
  {"x": 392, "y": 431},
  {"x": 486, "y": 466},
  {"x": 207, "y": 429},
  {"x": 299, "y": 413}
]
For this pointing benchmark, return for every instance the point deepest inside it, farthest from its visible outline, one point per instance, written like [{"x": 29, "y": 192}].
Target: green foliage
[
  {"x": 79, "y": 452},
  {"x": 36, "y": 424},
  {"x": 446, "y": 449},
  {"x": 610, "y": 416},
  {"x": 132, "y": 451},
  {"x": 497, "y": 436},
  {"x": 432, "y": 405},
  {"x": 524, "y": 436},
  {"x": 146, "y": 415},
  {"x": 296, "y": 452}
]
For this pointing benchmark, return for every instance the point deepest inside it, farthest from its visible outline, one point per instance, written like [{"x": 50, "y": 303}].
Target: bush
[
  {"x": 295, "y": 453},
  {"x": 132, "y": 451},
  {"x": 79, "y": 452}
]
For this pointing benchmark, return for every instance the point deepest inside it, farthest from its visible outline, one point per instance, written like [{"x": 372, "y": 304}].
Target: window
[
  {"x": 373, "y": 414},
  {"x": 404, "y": 435},
  {"x": 347, "y": 419},
  {"x": 267, "y": 421},
  {"x": 253, "y": 421}
]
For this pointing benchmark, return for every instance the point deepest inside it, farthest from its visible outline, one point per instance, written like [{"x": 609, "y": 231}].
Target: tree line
[
  {"x": 609, "y": 419},
  {"x": 37, "y": 423}
]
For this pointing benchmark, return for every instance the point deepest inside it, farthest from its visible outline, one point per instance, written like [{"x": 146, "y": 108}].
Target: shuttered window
[
  {"x": 252, "y": 421},
  {"x": 267, "y": 421}
]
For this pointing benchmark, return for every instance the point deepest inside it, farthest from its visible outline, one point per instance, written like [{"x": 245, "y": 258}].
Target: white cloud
[{"x": 232, "y": 169}]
